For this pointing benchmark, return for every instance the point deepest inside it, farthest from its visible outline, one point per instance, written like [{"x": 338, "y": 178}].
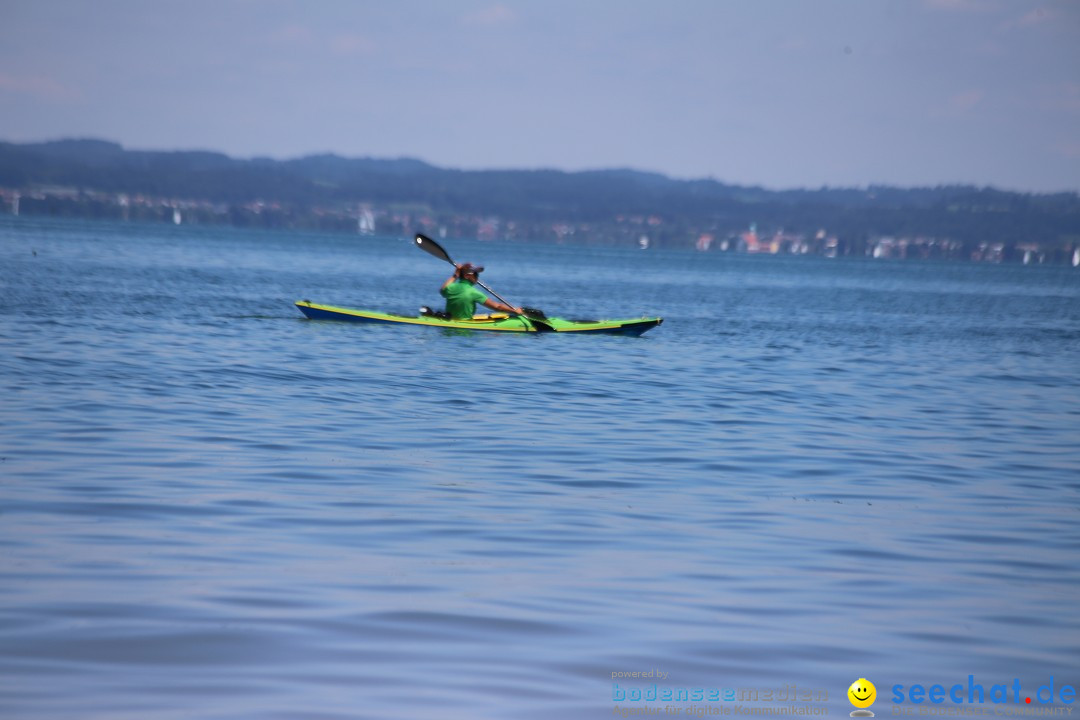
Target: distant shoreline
[{"x": 94, "y": 179}]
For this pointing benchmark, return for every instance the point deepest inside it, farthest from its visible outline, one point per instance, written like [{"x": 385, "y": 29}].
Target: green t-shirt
[{"x": 461, "y": 299}]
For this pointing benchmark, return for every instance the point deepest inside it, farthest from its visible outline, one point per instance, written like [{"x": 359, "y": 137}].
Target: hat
[{"x": 469, "y": 269}]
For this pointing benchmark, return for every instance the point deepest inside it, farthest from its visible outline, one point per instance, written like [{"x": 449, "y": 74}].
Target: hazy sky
[{"x": 780, "y": 93}]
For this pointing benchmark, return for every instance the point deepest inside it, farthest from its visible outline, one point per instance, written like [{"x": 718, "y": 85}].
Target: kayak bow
[{"x": 497, "y": 321}]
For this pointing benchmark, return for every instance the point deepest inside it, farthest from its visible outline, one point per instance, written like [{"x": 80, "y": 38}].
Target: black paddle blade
[
  {"x": 541, "y": 327},
  {"x": 534, "y": 313},
  {"x": 430, "y": 246}
]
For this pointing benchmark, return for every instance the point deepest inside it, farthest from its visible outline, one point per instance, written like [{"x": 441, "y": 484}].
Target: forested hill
[{"x": 539, "y": 197}]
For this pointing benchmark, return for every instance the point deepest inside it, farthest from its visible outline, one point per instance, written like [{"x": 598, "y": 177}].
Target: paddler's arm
[
  {"x": 499, "y": 307},
  {"x": 453, "y": 278}
]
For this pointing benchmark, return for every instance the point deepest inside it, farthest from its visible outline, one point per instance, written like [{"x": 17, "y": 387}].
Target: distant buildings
[{"x": 646, "y": 232}]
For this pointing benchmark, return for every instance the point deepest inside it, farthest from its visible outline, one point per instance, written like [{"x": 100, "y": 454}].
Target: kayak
[{"x": 496, "y": 321}]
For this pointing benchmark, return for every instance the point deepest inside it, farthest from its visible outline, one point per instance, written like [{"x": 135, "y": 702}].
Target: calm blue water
[{"x": 814, "y": 471}]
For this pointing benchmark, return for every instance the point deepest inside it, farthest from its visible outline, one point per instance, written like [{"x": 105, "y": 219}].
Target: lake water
[{"x": 814, "y": 471}]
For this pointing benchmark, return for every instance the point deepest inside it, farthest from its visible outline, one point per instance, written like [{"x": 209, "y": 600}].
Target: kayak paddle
[{"x": 431, "y": 247}]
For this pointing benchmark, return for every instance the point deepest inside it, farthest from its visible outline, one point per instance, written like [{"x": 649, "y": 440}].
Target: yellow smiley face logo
[{"x": 862, "y": 693}]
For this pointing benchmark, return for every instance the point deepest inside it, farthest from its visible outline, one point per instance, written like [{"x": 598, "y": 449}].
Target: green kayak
[{"x": 496, "y": 321}]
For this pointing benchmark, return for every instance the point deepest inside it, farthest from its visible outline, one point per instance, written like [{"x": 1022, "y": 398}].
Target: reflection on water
[{"x": 813, "y": 472}]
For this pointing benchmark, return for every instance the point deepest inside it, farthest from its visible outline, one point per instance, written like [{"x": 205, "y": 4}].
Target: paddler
[{"x": 462, "y": 296}]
